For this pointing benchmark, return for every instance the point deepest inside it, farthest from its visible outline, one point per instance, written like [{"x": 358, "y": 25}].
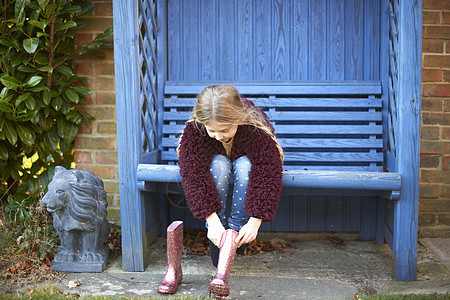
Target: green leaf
[
  {"x": 2, "y": 122},
  {"x": 30, "y": 103},
  {"x": 82, "y": 90},
  {"x": 10, "y": 133},
  {"x": 19, "y": 8},
  {"x": 9, "y": 42},
  {"x": 26, "y": 135},
  {"x": 72, "y": 132},
  {"x": 50, "y": 140},
  {"x": 56, "y": 103},
  {"x": 4, "y": 92},
  {"x": 6, "y": 107},
  {"x": 73, "y": 9},
  {"x": 3, "y": 153},
  {"x": 26, "y": 69},
  {"x": 33, "y": 81},
  {"x": 37, "y": 24},
  {"x": 46, "y": 69},
  {"x": 28, "y": 116},
  {"x": 63, "y": 127},
  {"x": 41, "y": 58},
  {"x": 30, "y": 45},
  {"x": 46, "y": 97},
  {"x": 17, "y": 59},
  {"x": 65, "y": 25},
  {"x": 21, "y": 98},
  {"x": 72, "y": 95},
  {"x": 64, "y": 70},
  {"x": 11, "y": 82}
]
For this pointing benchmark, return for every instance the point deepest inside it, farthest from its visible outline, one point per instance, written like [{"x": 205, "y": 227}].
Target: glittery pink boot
[
  {"x": 173, "y": 277},
  {"x": 219, "y": 286}
]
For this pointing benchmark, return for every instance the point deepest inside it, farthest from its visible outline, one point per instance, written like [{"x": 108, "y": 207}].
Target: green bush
[{"x": 39, "y": 93}]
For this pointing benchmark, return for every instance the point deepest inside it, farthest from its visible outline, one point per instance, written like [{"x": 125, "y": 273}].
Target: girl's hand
[
  {"x": 215, "y": 229},
  {"x": 249, "y": 231}
]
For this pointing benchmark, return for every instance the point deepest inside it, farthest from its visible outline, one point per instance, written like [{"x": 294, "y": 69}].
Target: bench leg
[
  {"x": 404, "y": 248},
  {"x": 381, "y": 215},
  {"x": 134, "y": 241}
]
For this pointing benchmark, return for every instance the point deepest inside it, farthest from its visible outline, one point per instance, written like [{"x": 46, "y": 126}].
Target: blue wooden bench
[{"x": 331, "y": 133}]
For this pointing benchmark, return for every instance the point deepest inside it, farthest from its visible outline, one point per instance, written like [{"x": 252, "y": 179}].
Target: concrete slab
[{"x": 315, "y": 270}]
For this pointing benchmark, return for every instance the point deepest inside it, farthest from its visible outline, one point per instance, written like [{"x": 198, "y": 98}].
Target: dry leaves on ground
[{"x": 196, "y": 242}]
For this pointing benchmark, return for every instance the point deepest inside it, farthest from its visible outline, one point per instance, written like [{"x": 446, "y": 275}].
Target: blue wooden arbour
[{"x": 144, "y": 40}]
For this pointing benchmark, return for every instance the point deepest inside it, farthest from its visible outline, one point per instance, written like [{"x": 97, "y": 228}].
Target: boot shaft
[{"x": 227, "y": 253}]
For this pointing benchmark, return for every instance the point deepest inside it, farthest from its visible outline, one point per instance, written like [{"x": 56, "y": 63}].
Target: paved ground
[{"x": 315, "y": 270}]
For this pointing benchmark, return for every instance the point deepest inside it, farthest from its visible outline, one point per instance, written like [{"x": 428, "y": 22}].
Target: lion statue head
[{"x": 79, "y": 195}]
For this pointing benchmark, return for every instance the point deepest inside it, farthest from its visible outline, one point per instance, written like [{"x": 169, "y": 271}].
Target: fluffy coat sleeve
[{"x": 196, "y": 152}]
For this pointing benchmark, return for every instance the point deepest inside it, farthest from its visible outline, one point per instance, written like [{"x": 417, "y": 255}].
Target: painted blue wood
[
  {"x": 310, "y": 88},
  {"x": 408, "y": 144},
  {"x": 126, "y": 58},
  {"x": 274, "y": 40}
]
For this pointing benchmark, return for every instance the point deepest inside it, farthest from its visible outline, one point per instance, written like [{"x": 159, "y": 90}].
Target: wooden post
[
  {"x": 126, "y": 48},
  {"x": 408, "y": 147}
]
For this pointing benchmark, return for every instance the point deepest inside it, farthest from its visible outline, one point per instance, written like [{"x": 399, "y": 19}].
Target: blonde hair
[{"x": 222, "y": 104}]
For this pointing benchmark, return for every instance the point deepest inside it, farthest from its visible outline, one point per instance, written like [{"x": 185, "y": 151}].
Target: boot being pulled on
[
  {"x": 219, "y": 286},
  {"x": 173, "y": 276}
]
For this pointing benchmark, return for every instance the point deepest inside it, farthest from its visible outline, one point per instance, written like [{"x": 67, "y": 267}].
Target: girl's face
[{"x": 221, "y": 132}]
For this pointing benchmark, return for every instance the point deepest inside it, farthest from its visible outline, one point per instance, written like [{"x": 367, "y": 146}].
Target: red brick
[
  {"x": 432, "y": 104},
  {"x": 85, "y": 128},
  {"x": 435, "y": 206},
  {"x": 436, "y": 4},
  {"x": 81, "y": 39},
  {"x": 97, "y": 24},
  {"x": 430, "y": 132},
  {"x": 107, "y": 128},
  {"x": 104, "y": 68},
  {"x": 105, "y": 98},
  {"x": 431, "y": 17},
  {"x": 435, "y": 176},
  {"x": 446, "y": 133},
  {"x": 446, "y": 162},
  {"x": 102, "y": 84},
  {"x": 434, "y": 147},
  {"x": 447, "y": 105},
  {"x": 444, "y": 218},
  {"x": 83, "y": 68},
  {"x": 99, "y": 143},
  {"x": 102, "y": 112},
  {"x": 427, "y": 219},
  {"x": 89, "y": 100},
  {"x": 436, "y": 89},
  {"x": 436, "y": 32},
  {"x": 445, "y": 191},
  {"x": 429, "y": 118},
  {"x": 432, "y": 46},
  {"x": 83, "y": 157},
  {"x": 102, "y": 172},
  {"x": 437, "y": 61},
  {"x": 111, "y": 186},
  {"x": 103, "y": 157},
  {"x": 428, "y": 191},
  {"x": 446, "y": 74},
  {"x": 446, "y": 17},
  {"x": 432, "y": 75},
  {"x": 103, "y": 8},
  {"x": 429, "y": 161}
]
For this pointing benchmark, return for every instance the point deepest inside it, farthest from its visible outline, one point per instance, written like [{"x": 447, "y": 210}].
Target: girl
[{"x": 231, "y": 165}]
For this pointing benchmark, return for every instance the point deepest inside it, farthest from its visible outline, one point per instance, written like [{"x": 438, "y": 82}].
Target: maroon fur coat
[{"x": 196, "y": 152}]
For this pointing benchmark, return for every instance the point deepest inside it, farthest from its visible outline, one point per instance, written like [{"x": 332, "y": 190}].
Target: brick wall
[
  {"x": 96, "y": 142},
  {"x": 435, "y": 143}
]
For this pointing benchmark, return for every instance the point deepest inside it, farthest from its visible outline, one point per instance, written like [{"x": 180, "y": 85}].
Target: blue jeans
[{"x": 231, "y": 180}]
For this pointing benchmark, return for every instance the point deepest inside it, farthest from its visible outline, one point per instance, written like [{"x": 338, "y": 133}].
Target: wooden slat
[
  {"x": 348, "y": 157},
  {"x": 304, "y": 129},
  {"x": 308, "y": 143},
  {"x": 290, "y": 102},
  {"x": 320, "y": 116},
  {"x": 280, "y": 88},
  {"x": 294, "y": 178}
]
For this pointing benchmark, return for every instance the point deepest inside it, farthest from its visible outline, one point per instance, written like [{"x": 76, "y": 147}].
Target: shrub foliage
[{"x": 39, "y": 91}]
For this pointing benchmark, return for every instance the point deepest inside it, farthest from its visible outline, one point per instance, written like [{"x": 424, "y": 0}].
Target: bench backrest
[{"x": 320, "y": 125}]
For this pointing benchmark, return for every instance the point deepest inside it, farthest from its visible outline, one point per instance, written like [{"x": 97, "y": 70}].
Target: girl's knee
[
  {"x": 242, "y": 166},
  {"x": 220, "y": 168}
]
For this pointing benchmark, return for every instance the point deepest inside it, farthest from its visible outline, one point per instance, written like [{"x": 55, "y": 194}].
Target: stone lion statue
[{"x": 77, "y": 201}]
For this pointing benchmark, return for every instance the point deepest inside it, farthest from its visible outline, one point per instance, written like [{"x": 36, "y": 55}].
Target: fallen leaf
[
  {"x": 336, "y": 240},
  {"x": 356, "y": 297},
  {"x": 73, "y": 283}
]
